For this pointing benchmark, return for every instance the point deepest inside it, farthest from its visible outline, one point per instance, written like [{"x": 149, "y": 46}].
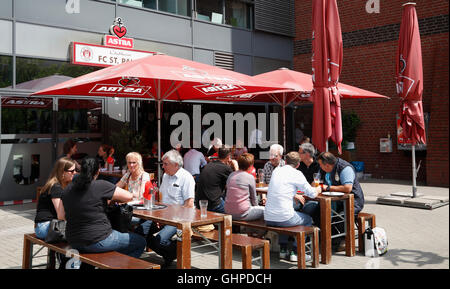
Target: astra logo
[
  {"x": 211, "y": 89},
  {"x": 119, "y": 89}
]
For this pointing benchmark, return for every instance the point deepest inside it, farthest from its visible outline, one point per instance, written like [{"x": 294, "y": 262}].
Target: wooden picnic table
[
  {"x": 184, "y": 218},
  {"x": 325, "y": 223}
]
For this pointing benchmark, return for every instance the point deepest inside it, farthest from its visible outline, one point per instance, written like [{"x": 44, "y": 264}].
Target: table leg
[
  {"x": 225, "y": 243},
  {"x": 325, "y": 230},
  {"x": 184, "y": 247},
  {"x": 350, "y": 226},
  {"x": 266, "y": 255}
]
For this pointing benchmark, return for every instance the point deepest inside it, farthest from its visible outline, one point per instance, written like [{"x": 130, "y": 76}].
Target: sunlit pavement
[{"x": 418, "y": 238}]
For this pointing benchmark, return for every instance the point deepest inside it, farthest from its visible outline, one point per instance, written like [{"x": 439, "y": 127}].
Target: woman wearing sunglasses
[{"x": 49, "y": 203}]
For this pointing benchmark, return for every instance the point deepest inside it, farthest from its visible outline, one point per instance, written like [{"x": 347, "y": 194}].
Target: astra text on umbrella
[{"x": 119, "y": 89}]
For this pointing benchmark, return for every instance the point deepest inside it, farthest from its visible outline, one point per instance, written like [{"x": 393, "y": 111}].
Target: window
[
  {"x": 237, "y": 13},
  {"x": 210, "y": 10},
  {"x": 33, "y": 68},
  {"x": 26, "y": 115},
  {"x": 5, "y": 71},
  {"x": 180, "y": 7},
  {"x": 79, "y": 116},
  {"x": 232, "y": 12}
]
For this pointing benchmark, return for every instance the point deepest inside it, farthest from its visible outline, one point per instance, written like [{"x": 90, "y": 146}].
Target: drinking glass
[
  {"x": 316, "y": 177},
  {"x": 203, "y": 208}
]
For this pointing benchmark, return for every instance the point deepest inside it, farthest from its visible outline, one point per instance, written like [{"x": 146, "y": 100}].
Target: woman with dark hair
[
  {"x": 88, "y": 228},
  {"x": 49, "y": 204},
  {"x": 69, "y": 149},
  {"x": 104, "y": 152}
]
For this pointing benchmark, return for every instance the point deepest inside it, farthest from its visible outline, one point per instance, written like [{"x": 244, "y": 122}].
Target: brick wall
[{"x": 370, "y": 45}]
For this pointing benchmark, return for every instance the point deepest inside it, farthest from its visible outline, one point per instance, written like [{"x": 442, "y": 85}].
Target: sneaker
[
  {"x": 293, "y": 257},
  {"x": 283, "y": 253}
]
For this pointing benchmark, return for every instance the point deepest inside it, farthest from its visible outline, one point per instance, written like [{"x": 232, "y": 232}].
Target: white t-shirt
[
  {"x": 178, "y": 188},
  {"x": 284, "y": 184}
]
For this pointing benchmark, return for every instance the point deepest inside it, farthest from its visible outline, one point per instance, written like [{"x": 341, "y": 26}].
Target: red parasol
[
  {"x": 409, "y": 74},
  {"x": 326, "y": 65},
  {"x": 161, "y": 77}
]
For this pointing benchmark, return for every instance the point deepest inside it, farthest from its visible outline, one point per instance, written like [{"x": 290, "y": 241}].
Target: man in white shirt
[
  {"x": 177, "y": 187},
  {"x": 255, "y": 138},
  {"x": 285, "y": 182},
  {"x": 193, "y": 162}
]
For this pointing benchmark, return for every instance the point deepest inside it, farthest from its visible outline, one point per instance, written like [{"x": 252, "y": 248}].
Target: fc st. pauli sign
[{"x": 116, "y": 49}]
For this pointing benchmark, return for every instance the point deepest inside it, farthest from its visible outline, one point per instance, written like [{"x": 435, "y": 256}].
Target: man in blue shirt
[{"x": 341, "y": 177}]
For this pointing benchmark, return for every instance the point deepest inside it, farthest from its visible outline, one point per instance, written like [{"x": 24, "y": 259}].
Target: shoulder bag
[{"x": 56, "y": 231}]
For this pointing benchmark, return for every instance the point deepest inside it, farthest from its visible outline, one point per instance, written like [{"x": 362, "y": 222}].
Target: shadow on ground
[{"x": 398, "y": 257}]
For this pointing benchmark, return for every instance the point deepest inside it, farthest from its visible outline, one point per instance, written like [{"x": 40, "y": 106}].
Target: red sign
[
  {"x": 211, "y": 89},
  {"x": 114, "y": 41},
  {"x": 119, "y": 89},
  {"x": 21, "y": 102}
]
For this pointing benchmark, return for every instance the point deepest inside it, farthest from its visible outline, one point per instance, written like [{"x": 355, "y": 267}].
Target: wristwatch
[{"x": 327, "y": 189}]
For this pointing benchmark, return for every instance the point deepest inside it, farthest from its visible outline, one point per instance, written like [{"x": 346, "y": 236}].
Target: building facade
[
  {"x": 246, "y": 36},
  {"x": 370, "y": 31}
]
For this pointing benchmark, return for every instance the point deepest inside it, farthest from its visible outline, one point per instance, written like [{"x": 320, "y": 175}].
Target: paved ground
[{"x": 418, "y": 238}]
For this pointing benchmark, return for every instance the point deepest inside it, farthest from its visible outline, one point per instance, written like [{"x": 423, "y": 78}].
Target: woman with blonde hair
[
  {"x": 135, "y": 179},
  {"x": 49, "y": 203}
]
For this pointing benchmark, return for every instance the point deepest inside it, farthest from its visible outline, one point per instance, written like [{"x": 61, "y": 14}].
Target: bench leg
[
  {"x": 361, "y": 230},
  {"x": 315, "y": 248},
  {"x": 51, "y": 259},
  {"x": 246, "y": 257},
  {"x": 266, "y": 255},
  {"x": 301, "y": 250},
  {"x": 27, "y": 257}
]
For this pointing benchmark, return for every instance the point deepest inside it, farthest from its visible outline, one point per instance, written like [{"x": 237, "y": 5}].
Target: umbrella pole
[
  {"x": 284, "y": 121},
  {"x": 159, "y": 142},
  {"x": 414, "y": 188}
]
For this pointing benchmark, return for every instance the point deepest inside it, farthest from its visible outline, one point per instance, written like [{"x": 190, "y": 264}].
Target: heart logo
[
  {"x": 120, "y": 31},
  {"x": 127, "y": 81}
]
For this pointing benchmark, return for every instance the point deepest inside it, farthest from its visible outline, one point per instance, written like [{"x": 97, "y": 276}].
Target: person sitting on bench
[
  {"x": 283, "y": 187},
  {"x": 88, "y": 228},
  {"x": 49, "y": 202}
]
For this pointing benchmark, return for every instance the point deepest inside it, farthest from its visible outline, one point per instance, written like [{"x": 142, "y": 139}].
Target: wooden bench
[
  {"x": 106, "y": 260},
  {"x": 299, "y": 232},
  {"x": 246, "y": 244},
  {"x": 361, "y": 222}
]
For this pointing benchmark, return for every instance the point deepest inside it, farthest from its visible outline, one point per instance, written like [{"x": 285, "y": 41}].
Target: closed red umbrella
[
  {"x": 409, "y": 73},
  {"x": 327, "y": 53}
]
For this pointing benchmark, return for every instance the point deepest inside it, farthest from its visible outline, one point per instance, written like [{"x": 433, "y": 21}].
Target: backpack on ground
[{"x": 375, "y": 242}]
